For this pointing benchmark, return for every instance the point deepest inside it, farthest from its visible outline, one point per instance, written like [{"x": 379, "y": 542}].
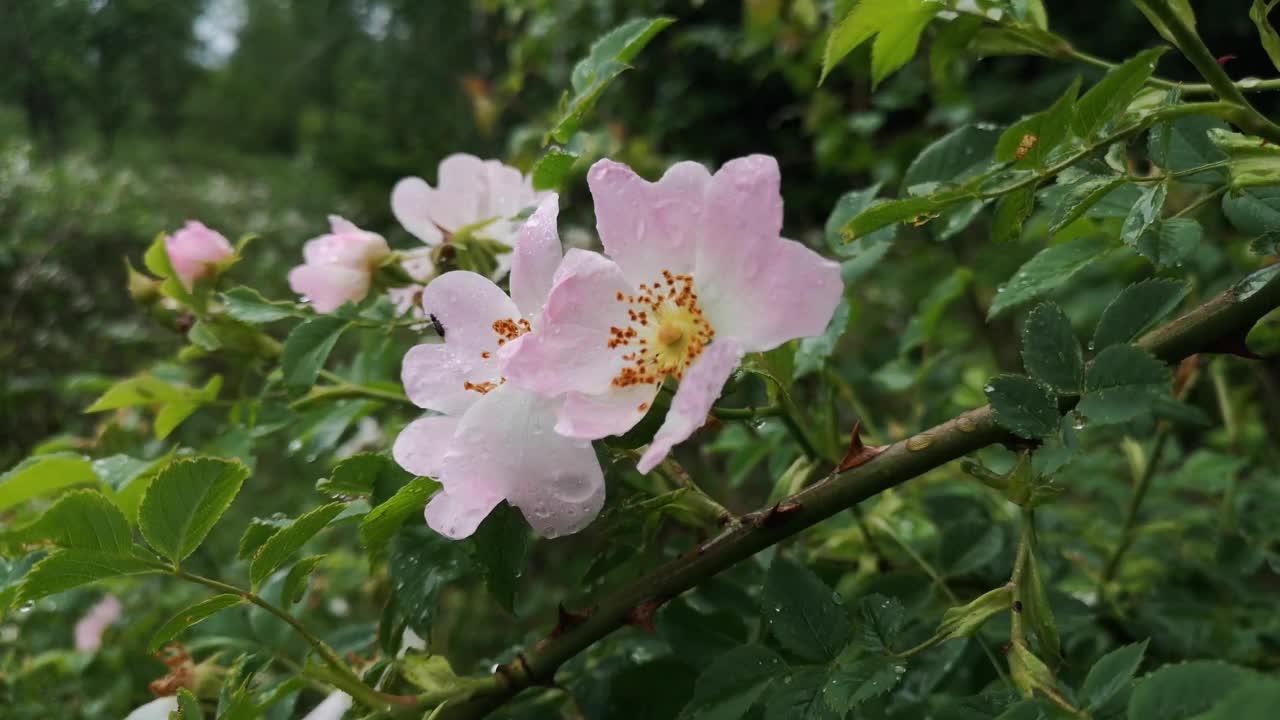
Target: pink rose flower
[
  {"x": 194, "y": 250},
  {"x": 339, "y": 266},
  {"x": 89, "y": 629},
  {"x": 483, "y": 195},
  {"x": 493, "y": 441},
  {"x": 698, "y": 276}
]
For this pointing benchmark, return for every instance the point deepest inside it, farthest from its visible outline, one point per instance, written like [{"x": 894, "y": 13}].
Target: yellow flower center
[{"x": 667, "y": 330}]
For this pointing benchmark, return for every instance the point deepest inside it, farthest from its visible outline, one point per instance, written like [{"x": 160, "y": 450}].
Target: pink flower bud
[
  {"x": 338, "y": 266},
  {"x": 194, "y": 249},
  {"x": 90, "y": 627}
]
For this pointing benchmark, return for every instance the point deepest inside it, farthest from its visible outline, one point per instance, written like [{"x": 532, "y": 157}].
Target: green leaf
[
  {"x": 1080, "y": 197},
  {"x": 1172, "y": 241},
  {"x": 1251, "y": 161},
  {"x": 66, "y": 569},
  {"x": 1145, "y": 213},
  {"x": 1180, "y": 8},
  {"x": 1111, "y": 673},
  {"x": 549, "y": 171},
  {"x": 499, "y": 547},
  {"x": 12, "y": 573},
  {"x": 849, "y": 685},
  {"x": 959, "y": 155},
  {"x": 1029, "y": 141},
  {"x": 812, "y": 352},
  {"x": 805, "y": 616},
  {"x": 1049, "y": 269},
  {"x": 1184, "y": 691},
  {"x": 83, "y": 519},
  {"x": 248, "y": 305},
  {"x": 143, "y": 390},
  {"x": 1266, "y": 32},
  {"x": 184, "y": 502},
  {"x": 918, "y": 210},
  {"x": 192, "y": 616},
  {"x": 384, "y": 521},
  {"x": 1050, "y": 350},
  {"x": 1253, "y": 211},
  {"x": 882, "y": 619},
  {"x": 422, "y": 563},
  {"x": 364, "y": 474},
  {"x": 1105, "y": 101},
  {"x": 1011, "y": 213},
  {"x": 1023, "y": 406},
  {"x": 1135, "y": 309},
  {"x": 800, "y": 696},
  {"x": 295, "y": 583},
  {"x": 188, "y": 706},
  {"x": 307, "y": 347},
  {"x": 609, "y": 57},
  {"x": 733, "y": 682},
  {"x": 862, "y": 255},
  {"x": 1256, "y": 699},
  {"x": 278, "y": 548},
  {"x": 965, "y": 620},
  {"x": 44, "y": 474},
  {"x": 924, "y": 323},
  {"x": 1121, "y": 383},
  {"x": 1037, "y": 612},
  {"x": 257, "y": 533},
  {"x": 898, "y": 39},
  {"x": 1184, "y": 144}
]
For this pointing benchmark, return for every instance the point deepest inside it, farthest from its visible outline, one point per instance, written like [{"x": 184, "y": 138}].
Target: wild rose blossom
[
  {"x": 158, "y": 709},
  {"x": 494, "y": 441},
  {"x": 195, "y": 250},
  {"x": 697, "y": 275},
  {"x": 339, "y": 266},
  {"x": 481, "y": 196},
  {"x": 333, "y": 707},
  {"x": 90, "y": 627}
]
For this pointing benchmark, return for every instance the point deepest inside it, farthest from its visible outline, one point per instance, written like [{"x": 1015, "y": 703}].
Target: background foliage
[{"x": 123, "y": 118}]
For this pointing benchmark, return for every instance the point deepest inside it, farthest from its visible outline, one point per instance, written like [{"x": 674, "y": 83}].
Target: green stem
[
  {"x": 1129, "y": 531},
  {"x": 1231, "y": 313},
  {"x": 343, "y": 389},
  {"x": 342, "y": 677},
  {"x": 746, "y": 413},
  {"x": 1201, "y": 201}
]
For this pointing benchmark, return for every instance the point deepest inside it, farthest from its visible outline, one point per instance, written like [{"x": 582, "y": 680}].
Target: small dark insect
[
  {"x": 1017, "y": 606},
  {"x": 1028, "y": 141},
  {"x": 435, "y": 323}
]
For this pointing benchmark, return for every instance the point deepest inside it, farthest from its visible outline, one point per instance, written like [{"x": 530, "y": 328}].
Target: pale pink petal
[
  {"x": 784, "y": 291},
  {"x": 418, "y": 263},
  {"x": 570, "y": 350},
  {"x": 507, "y": 444},
  {"x": 411, "y": 203},
  {"x": 613, "y": 412},
  {"x": 536, "y": 257},
  {"x": 158, "y": 709},
  {"x": 421, "y": 446},
  {"x": 507, "y": 191},
  {"x": 353, "y": 247},
  {"x": 461, "y": 195},
  {"x": 333, "y": 707},
  {"x": 89, "y": 629},
  {"x": 329, "y": 286},
  {"x": 340, "y": 225},
  {"x": 698, "y": 391},
  {"x": 649, "y": 227},
  {"x": 193, "y": 249},
  {"x": 457, "y": 515},
  {"x": 436, "y": 376},
  {"x": 467, "y": 305}
]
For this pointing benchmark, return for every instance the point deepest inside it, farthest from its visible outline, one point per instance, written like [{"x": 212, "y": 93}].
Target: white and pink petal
[{"x": 702, "y": 384}]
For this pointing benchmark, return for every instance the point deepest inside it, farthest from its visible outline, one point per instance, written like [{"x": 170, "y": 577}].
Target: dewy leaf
[
  {"x": 1080, "y": 197},
  {"x": 1049, "y": 269},
  {"x": 898, "y": 39},
  {"x": 1050, "y": 350},
  {"x": 44, "y": 474},
  {"x": 1172, "y": 241},
  {"x": 184, "y": 502},
  {"x": 248, "y": 305},
  {"x": 549, "y": 171},
  {"x": 1022, "y": 406},
  {"x": 959, "y": 155},
  {"x": 1135, "y": 309},
  {"x": 499, "y": 546},
  {"x": 800, "y": 696},
  {"x": 1107, "y": 100},
  {"x": 1121, "y": 383},
  {"x": 1266, "y": 32},
  {"x": 384, "y": 521},
  {"x": 83, "y": 519},
  {"x": 805, "y": 615},
  {"x": 733, "y": 682},
  {"x": 1030, "y": 140},
  {"x": 850, "y": 685},
  {"x": 814, "y": 351},
  {"x": 192, "y": 616},
  {"x": 364, "y": 474},
  {"x": 1253, "y": 211},
  {"x": 1111, "y": 673},
  {"x": 609, "y": 57},
  {"x": 422, "y": 563},
  {"x": 1145, "y": 213},
  {"x": 281, "y": 546},
  {"x": 71, "y": 568},
  {"x": 1184, "y": 144},
  {"x": 1185, "y": 690},
  {"x": 258, "y": 531},
  {"x": 307, "y": 347},
  {"x": 882, "y": 619}
]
